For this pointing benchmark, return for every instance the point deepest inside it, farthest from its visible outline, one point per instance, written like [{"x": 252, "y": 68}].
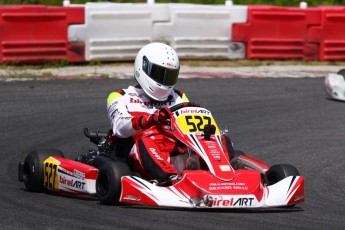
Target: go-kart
[
  {"x": 222, "y": 178},
  {"x": 335, "y": 85}
]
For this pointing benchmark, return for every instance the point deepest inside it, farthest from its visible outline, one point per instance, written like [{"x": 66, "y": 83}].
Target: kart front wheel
[
  {"x": 237, "y": 153},
  {"x": 33, "y": 170},
  {"x": 279, "y": 172},
  {"x": 108, "y": 182}
]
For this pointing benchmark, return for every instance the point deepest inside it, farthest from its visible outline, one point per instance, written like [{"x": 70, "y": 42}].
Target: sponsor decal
[
  {"x": 148, "y": 132},
  {"x": 204, "y": 111},
  {"x": 154, "y": 152},
  {"x": 227, "y": 186},
  {"x": 216, "y": 156},
  {"x": 78, "y": 174},
  {"x": 65, "y": 171},
  {"x": 299, "y": 197},
  {"x": 234, "y": 202},
  {"x": 132, "y": 198},
  {"x": 224, "y": 168},
  {"x": 161, "y": 162},
  {"x": 201, "y": 111},
  {"x": 114, "y": 113},
  {"x": 213, "y": 150},
  {"x": 125, "y": 118},
  {"x": 184, "y": 111},
  {"x": 72, "y": 183},
  {"x": 150, "y": 103},
  {"x": 113, "y": 110}
]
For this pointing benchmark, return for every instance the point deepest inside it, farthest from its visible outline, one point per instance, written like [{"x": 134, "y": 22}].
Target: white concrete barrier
[
  {"x": 202, "y": 31},
  {"x": 116, "y": 31}
]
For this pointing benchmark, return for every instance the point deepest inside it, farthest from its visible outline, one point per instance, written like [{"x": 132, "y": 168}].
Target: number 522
[{"x": 196, "y": 123}]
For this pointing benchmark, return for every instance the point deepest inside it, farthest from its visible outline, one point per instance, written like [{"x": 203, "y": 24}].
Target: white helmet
[{"x": 156, "y": 69}]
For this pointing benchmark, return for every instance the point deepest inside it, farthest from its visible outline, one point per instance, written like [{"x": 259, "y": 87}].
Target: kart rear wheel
[
  {"x": 108, "y": 182},
  {"x": 33, "y": 170},
  {"x": 279, "y": 172},
  {"x": 101, "y": 159},
  {"x": 341, "y": 72}
]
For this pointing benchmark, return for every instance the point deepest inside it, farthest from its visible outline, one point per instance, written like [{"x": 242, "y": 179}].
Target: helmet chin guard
[{"x": 156, "y": 70}]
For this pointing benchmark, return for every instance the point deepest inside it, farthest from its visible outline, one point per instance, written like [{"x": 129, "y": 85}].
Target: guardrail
[
  {"x": 38, "y": 33},
  {"x": 116, "y": 31}
]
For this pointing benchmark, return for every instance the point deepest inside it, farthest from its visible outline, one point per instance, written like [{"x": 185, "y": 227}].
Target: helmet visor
[{"x": 160, "y": 74}]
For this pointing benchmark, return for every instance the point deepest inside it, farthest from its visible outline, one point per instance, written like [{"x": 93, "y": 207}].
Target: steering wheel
[{"x": 167, "y": 130}]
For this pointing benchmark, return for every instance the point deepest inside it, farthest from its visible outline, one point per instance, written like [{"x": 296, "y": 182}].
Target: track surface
[{"x": 275, "y": 120}]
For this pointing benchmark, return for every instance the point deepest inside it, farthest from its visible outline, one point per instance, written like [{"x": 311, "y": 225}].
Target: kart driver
[{"x": 135, "y": 111}]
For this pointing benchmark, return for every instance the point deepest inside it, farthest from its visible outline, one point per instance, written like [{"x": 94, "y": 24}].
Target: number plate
[
  {"x": 51, "y": 174},
  {"x": 191, "y": 121}
]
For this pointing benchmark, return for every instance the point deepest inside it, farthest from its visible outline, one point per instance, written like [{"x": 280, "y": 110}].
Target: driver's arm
[{"x": 121, "y": 120}]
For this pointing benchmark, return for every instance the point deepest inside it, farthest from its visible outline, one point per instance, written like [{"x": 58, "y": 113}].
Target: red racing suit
[{"x": 151, "y": 152}]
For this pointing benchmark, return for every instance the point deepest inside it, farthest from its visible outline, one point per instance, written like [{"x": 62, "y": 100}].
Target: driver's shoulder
[
  {"x": 181, "y": 94},
  {"x": 115, "y": 95}
]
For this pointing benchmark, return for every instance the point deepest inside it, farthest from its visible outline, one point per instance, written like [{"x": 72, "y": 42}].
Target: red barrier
[
  {"x": 330, "y": 34},
  {"x": 31, "y": 33},
  {"x": 278, "y": 33}
]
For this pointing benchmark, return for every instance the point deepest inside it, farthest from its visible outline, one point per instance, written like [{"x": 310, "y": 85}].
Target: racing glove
[{"x": 158, "y": 117}]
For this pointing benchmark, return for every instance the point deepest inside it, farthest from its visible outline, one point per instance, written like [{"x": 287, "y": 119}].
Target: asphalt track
[{"x": 276, "y": 120}]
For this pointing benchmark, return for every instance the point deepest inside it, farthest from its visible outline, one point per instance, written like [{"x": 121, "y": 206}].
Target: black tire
[
  {"x": 235, "y": 162},
  {"x": 101, "y": 159},
  {"x": 108, "y": 182},
  {"x": 33, "y": 173},
  {"x": 279, "y": 172},
  {"x": 229, "y": 147},
  {"x": 341, "y": 72},
  {"x": 237, "y": 153}
]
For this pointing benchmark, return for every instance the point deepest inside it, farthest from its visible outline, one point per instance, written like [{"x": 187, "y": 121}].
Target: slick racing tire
[
  {"x": 33, "y": 173},
  {"x": 341, "y": 72},
  {"x": 237, "y": 153},
  {"x": 235, "y": 162},
  {"x": 101, "y": 159},
  {"x": 279, "y": 172},
  {"x": 108, "y": 182}
]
